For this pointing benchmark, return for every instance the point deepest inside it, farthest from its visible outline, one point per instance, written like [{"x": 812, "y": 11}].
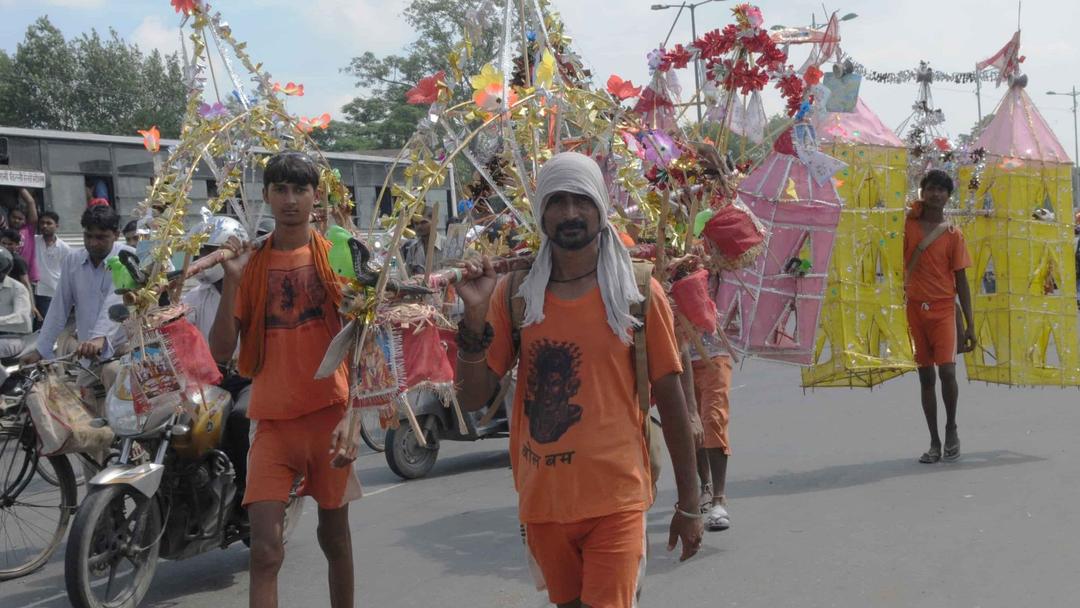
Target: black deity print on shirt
[
  {"x": 553, "y": 381},
  {"x": 294, "y": 297}
]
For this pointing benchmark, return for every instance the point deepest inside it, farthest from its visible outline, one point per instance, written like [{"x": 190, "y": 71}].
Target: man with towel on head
[{"x": 580, "y": 461}]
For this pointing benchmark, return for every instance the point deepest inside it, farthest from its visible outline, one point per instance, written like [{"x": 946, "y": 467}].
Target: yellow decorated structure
[
  {"x": 863, "y": 338},
  {"x": 1023, "y": 279}
]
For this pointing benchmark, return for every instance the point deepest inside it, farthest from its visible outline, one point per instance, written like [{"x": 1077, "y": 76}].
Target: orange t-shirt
[
  {"x": 933, "y": 279},
  {"x": 300, "y": 322},
  {"x": 576, "y": 443}
]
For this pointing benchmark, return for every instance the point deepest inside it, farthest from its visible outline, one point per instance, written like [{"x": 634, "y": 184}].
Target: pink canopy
[
  {"x": 1018, "y": 130},
  {"x": 768, "y": 310},
  {"x": 859, "y": 127}
]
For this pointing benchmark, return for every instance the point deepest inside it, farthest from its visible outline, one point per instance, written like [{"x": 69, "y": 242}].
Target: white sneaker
[{"x": 717, "y": 519}]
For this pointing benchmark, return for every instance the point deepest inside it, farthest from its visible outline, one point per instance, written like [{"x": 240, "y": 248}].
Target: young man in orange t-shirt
[
  {"x": 580, "y": 462},
  {"x": 281, "y": 299},
  {"x": 935, "y": 259}
]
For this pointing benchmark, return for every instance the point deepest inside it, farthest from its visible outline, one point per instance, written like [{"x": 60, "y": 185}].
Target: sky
[{"x": 311, "y": 41}]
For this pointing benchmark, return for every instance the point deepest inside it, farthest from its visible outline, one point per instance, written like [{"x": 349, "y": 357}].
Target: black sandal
[
  {"x": 952, "y": 453},
  {"x": 931, "y": 456}
]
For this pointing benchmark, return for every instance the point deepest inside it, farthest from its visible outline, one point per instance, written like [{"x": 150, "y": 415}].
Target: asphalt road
[{"x": 828, "y": 506}]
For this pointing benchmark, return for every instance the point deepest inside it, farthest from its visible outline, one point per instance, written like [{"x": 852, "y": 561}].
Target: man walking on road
[
  {"x": 281, "y": 300},
  {"x": 934, "y": 277},
  {"x": 579, "y": 456}
]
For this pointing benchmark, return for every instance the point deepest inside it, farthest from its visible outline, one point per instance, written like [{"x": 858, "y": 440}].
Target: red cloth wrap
[
  {"x": 733, "y": 231},
  {"x": 190, "y": 353},
  {"x": 691, "y": 296},
  {"x": 425, "y": 356}
]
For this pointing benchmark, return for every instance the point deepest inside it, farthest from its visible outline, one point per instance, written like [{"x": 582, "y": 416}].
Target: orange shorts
[
  {"x": 284, "y": 450},
  {"x": 598, "y": 560},
  {"x": 711, "y": 386},
  {"x": 933, "y": 332}
]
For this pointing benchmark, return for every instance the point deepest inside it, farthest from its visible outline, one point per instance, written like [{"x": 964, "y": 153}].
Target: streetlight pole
[
  {"x": 693, "y": 33},
  {"x": 1076, "y": 140}
]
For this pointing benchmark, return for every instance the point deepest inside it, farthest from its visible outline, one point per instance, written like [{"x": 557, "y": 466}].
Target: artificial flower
[
  {"x": 545, "y": 71},
  {"x": 151, "y": 139},
  {"x": 490, "y": 98},
  {"x": 427, "y": 90},
  {"x": 488, "y": 75},
  {"x": 185, "y": 6},
  {"x": 307, "y": 125},
  {"x": 622, "y": 89},
  {"x": 942, "y": 144},
  {"x": 290, "y": 88},
  {"x": 660, "y": 148},
  {"x": 748, "y": 15},
  {"x": 677, "y": 58},
  {"x": 812, "y": 76},
  {"x": 211, "y": 112}
]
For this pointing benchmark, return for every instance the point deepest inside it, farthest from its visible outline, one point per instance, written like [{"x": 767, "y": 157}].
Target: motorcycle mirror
[
  {"x": 179, "y": 430},
  {"x": 98, "y": 423}
]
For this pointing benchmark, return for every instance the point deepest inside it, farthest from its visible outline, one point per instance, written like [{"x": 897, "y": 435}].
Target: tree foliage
[
  {"x": 89, "y": 83},
  {"x": 379, "y": 117}
]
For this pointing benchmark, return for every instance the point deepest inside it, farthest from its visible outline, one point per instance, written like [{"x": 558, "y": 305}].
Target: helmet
[
  {"x": 220, "y": 228},
  {"x": 6, "y": 261}
]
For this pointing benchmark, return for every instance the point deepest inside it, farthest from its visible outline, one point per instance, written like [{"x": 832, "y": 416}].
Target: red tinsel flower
[
  {"x": 676, "y": 58},
  {"x": 812, "y": 76},
  {"x": 185, "y": 6},
  {"x": 717, "y": 42},
  {"x": 745, "y": 78},
  {"x": 942, "y": 144},
  {"x": 427, "y": 90},
  {"x": 622, "y": 89},
  {"x": 791, "y": 87},
  {"x": 650, "y": 102}
]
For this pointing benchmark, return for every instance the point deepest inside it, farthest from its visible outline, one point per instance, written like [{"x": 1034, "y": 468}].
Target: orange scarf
[{"x": 253, "y": 292}]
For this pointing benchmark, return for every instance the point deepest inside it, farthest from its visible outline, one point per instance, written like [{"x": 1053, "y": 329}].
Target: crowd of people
[{"x": 593, "y": 340}]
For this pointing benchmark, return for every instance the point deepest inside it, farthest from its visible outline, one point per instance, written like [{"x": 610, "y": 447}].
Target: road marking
[
  {"x": 381, "y": 490},
  {"x": 46, "y": 600}
]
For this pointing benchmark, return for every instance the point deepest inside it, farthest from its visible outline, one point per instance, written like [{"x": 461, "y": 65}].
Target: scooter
[
  {"x": 410, "y": 458},
  {"x": 173, "y": 493}
]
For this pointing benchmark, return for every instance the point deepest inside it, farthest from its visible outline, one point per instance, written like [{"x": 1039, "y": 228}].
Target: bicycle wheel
[
  {"x": 371, "y": 430},
  {"x": 34, "y": 513}
]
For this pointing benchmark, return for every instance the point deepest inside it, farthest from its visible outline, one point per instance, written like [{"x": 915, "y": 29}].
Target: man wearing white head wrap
[
  {"x": 579, "y": 458},
  {"x": 573, "y": 173}
]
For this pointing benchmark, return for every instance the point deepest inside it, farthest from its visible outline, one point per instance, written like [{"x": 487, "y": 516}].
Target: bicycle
[{"x": 38, "y": 494}]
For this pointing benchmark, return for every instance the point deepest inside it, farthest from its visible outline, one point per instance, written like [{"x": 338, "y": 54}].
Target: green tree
[
  {"x": 380, "y": 117},
  {"x": 36, "y": 92},
  {"x": 91, "y": 83}
]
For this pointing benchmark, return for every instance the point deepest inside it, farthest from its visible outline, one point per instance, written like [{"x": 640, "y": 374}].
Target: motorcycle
[
  {"x": 173, "y": 493},
  {"x": 409, "y": 458}
]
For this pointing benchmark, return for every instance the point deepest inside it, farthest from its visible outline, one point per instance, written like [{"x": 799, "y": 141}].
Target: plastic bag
[{"x": 62, "y": 420}]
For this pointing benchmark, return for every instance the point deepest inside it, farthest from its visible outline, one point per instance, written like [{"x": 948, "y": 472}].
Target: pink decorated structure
[{"x": 771, "y": 309}]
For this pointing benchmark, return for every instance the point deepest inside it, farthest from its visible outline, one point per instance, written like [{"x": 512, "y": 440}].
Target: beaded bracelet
[{"x": 470, "y": 341}]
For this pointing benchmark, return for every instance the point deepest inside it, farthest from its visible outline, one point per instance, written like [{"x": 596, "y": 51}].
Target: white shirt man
[{"x": 50, "y": 256}]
